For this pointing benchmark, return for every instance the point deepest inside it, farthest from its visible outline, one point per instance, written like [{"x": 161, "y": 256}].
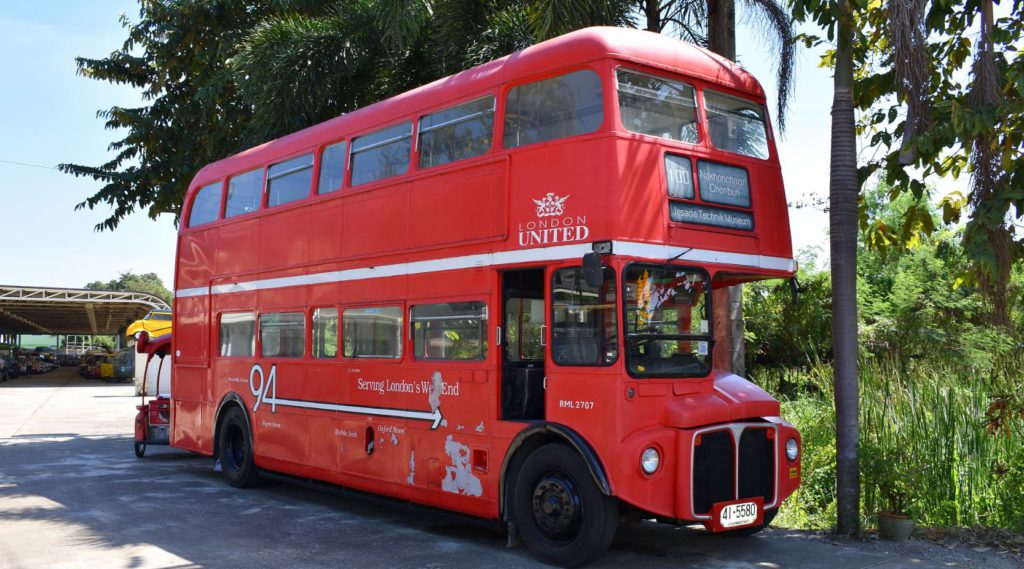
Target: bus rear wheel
[
  {"x": 235, "y": 449},
  {"x": 561, "y": 514}
]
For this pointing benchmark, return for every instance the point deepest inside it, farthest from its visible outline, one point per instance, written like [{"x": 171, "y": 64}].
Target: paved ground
[{"x": 72, "y": 494}]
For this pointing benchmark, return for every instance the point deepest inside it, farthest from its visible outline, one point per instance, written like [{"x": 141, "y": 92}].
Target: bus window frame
[
  {"x": 263, "y": 190},
  {"x": 668, "y": 75},
  {"x": 305, "y": 335},
  {"x": 403, "y": 306},
  {"x": 318, "y": 162},
  {"x": 708, "y": 300},
  {"x": 265, "y": 200},
  {"x": 418, "y": 132},
  {"x": 549, "y": 297},
  {"x": 338, "y": 345},
  {"x": 410, "y": 167},
  {"x": 598, "y": 67},
  {"x": 255, "y": 331},
  {"x": 490, "y": 348},
  {"x": 220, "y": 206},
  {"x": 744, "y": 97}
]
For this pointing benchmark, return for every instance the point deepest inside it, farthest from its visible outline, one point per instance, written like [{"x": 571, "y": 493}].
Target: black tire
[
  {"x": 769, "y": 515},
  {"x": 140, "y": 449},
  {"x": 235, "y": 449},
  {"x": 561, "y": 514}
]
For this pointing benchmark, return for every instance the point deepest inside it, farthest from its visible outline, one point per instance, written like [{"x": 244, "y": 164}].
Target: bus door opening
[{"x": 522, "y": 345}]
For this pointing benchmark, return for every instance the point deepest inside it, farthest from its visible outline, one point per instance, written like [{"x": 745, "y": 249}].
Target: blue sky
[{"x": 48, "y": 116}]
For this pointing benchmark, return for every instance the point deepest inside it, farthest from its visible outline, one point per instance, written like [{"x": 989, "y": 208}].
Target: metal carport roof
[{"x": 42, "y": 310}]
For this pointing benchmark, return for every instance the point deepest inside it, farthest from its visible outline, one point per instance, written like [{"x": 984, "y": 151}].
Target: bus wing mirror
[
  {"x": 794, "y": 290},
  {"x": 593, "y": 271}
]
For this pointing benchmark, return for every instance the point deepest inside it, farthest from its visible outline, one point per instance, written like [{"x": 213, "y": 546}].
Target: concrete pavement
[{"x": 72, "y": 494}]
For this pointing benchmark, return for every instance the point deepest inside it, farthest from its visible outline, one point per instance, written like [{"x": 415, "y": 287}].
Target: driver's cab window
[{"x": 584, "y": 326}]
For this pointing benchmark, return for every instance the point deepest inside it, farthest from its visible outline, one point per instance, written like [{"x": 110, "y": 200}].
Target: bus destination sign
[
  {"x": 717, "y": 217},
  {"x": 723, "y": 184}
]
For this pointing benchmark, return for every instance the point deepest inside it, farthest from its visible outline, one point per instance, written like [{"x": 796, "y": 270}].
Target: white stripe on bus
[{"x": 561, "y": 252}]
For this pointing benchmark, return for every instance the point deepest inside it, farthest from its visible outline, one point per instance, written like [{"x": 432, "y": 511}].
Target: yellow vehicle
[
  {"x": 107, "y": 367},
  {"x": 157, "y": 323}
]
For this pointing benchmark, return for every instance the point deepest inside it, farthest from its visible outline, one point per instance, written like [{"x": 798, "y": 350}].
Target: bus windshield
[{"x": 668, "y": 322}]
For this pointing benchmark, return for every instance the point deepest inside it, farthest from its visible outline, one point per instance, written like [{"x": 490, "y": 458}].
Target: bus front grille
[{"x": 722, "y": 473}]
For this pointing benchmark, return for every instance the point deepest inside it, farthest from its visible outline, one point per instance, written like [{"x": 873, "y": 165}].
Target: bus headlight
[
  {"x": 792, "y": 449},
  {"x": 649, "y": 460}
]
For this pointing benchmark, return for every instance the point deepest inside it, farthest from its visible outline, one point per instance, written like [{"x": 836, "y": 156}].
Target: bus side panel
[
  {"x": 188, "y": 426},
  {"x": 458, "y": 206},
  {"x": 325, "y": 231},
  {"x": 284, "y": 239},
  {"x": 239, "y": 247},
  {"x": 376, "y": 222}
]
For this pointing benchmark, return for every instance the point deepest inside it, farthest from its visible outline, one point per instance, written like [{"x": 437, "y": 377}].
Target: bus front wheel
[
  {"x": 561, "y": 514},
  {"x": 235, "y": 446}
]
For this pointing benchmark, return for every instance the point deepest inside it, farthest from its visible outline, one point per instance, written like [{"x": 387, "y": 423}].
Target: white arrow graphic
[
  {"x": 433, "y": 416},
  {"x": 265, "y": 392}
]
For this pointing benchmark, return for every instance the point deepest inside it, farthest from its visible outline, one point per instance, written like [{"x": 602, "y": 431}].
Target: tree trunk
[
  {"x": 652, "y": 11},
  {"x": 843, "y": 190},
  {"x": 727, "y": 302},
  {"x": 722, "y": 28}
]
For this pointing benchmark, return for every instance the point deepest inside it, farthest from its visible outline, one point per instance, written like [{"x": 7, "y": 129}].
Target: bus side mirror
[
  {"x": 593, "y": 271},
  {"x": 794, "y": 289}
]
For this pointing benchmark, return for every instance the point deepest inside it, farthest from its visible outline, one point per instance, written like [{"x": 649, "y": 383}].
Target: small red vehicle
[{"x": 152, "y": 422}]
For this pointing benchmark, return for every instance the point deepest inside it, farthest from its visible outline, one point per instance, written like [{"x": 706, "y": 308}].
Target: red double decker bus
[{"x": 492, "y": 295}]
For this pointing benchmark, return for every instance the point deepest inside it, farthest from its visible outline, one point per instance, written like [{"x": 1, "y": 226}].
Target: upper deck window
[
  {"x": 289, "y": 180},
  {"x": 736, "y": 125},
  {"x": 562, "y": 106},
  {"x": 457, "y": 133},
  {"x": 381, "y": 154},
  {"x": 244, "y": 193},
  {"x": 332, "y": 168},
  {"x": 656, "y": 106},
  {"x": 206, "y": 206}
]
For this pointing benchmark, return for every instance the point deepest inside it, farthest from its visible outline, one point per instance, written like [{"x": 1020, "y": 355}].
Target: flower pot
[{"x": 895, "y": 527}]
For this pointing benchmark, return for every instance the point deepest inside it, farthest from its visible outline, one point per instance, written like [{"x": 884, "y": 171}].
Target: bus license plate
[{"x": 737, "y": 514}]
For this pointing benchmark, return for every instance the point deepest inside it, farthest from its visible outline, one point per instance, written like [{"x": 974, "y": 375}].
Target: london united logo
[{"x": 553, "y": 224}]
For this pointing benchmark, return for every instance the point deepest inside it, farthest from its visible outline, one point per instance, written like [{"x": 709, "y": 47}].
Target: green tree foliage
[
  {"x": 177, "y": 54},
  {"x": 219, "y": 76},
  {"x": 781, "y": 333},
  {"x": 936, "y": 94},
  {"x": 913, "y": 303},
  {"x": 148, "y": 282}
]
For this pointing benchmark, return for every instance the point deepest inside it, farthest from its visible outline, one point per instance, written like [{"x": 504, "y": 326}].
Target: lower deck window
[
  {"x": 373, "y": 332},
  {"x": 450, "y": 331},
  {"x": 238, "y": 334},
  {"x": 283, "y": 334},
  {"x": 325, "y": 332}
]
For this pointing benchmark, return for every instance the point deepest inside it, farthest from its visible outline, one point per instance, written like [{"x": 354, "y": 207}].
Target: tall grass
[{"x": 924, "y": 441}]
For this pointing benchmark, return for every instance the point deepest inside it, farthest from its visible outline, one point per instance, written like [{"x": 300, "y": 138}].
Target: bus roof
[{"x": 576, "y": 47}]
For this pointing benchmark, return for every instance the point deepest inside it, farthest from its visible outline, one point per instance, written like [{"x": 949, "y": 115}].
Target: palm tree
[{"x": 843, "y": 191}]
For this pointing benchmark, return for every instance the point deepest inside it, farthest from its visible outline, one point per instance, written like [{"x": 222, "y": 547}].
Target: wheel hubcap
[{"x": 556, "y": 506}]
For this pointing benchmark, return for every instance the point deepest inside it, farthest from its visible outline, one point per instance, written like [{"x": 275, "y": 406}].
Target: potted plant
[{"x": 894, "y": 477}]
